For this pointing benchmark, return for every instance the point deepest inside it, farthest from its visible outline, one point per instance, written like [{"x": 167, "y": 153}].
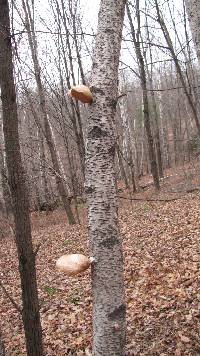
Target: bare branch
[{"x": 17, "y": 307}]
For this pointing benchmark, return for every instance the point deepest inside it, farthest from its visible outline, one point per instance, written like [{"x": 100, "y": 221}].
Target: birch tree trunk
[
  {"x": 193, "y": 11},
  {"x": 105, "y": 244},
  {"x": 26, "y": 255}
]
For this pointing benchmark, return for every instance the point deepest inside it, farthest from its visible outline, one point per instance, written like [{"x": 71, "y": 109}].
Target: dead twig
[
  {"x": 151, "y": 199},
  {"x": 37, "y": 248},
  {"x": 17, "y": 307}
]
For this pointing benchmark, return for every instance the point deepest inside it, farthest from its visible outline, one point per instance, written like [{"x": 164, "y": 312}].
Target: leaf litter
[{"x": 161, "y": 242}]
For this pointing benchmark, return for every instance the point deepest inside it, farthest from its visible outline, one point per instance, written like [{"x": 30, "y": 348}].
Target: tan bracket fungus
[
  {"x": 74, "y": 263},
  {"x": 82, "y": 93}
]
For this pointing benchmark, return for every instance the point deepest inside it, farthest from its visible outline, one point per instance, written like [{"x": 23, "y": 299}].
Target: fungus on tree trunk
[
  {"x": 82, "y": 93},
  {"x": 73, "y": 264}
]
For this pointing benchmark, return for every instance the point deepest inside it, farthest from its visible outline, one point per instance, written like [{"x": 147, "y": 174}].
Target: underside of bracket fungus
[
  {"x": 73, "y": 264},
  {"x": 82, "y": 93}
]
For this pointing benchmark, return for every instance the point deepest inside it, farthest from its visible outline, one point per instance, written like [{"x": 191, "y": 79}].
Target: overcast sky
[{"x": 89, "y": 11}]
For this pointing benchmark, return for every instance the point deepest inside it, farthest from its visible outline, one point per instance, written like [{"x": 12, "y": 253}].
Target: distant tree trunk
[
  {"x": 143, "y": 81},
  {"x": 44, "y": 186},
  {"x": 5, "y": 186},
  {"x": 62, "y": 17},
  {"x": 164, "y": 133},
  {"x": 47, "y": 129},
  {"x": 45, "y": 196},
  {"x": 26, "y": 256},
  {"x": 177, "y": 65},
  {"x": 105, "y": 244},
  {"x": 132, "y": 169},
  {"x": 156, "y": 129},
  {"x": 127, "y": 136},
  {"x": 74, "y": 19},
  {"x": 154, "y": 106},
  {"x": 193, "y": 11},
  {"x": 122, "y": 170}
]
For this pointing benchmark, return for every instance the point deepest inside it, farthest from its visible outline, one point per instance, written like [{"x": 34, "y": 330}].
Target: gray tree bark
[
  {"x": 105, "y": 244},
  {"x": 193, "y": 11},
  {"x": 16, "y": 178}
]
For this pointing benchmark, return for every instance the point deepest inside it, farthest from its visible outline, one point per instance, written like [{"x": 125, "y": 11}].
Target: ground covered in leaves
[{"x": 161, "y": 241}]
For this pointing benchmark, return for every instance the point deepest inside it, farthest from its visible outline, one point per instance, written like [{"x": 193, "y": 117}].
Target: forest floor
[{"x": 161, "y": 241}]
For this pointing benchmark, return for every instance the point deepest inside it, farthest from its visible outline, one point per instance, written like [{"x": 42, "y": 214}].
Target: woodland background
[
  {"x": 54, "y": 52},
  {"x": 157, "y": 131}
]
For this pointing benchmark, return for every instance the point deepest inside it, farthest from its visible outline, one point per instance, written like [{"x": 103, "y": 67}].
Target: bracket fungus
[
  {"x": 82, "y": 93},
  {"x": 73, "y": 264}
]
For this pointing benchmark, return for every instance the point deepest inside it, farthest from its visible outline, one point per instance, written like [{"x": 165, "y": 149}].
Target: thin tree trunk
[
  {"x": 154, "y": 106},
  {"x": 105, "y": 244},
  {"x": 177, "y": 65},
  {"x": 46, "y": 196},
  {"x": 76, "y": 115},
  {"x": 147, "y": 124},
  {"x": 47, "y": 129},
  {"x": 26, "y": 256},
  {"x": 122, "y": 170},
  {"x": 5, "y": 186},
  {"x": 126, "y": 126},
  {"x": 74, "y": 20}
]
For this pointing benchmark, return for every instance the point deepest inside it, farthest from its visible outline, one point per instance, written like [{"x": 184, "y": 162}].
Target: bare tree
[
  {"x": 105, "y": 244},
  {"x": 167, "y": 37},
  {"x": 143, "y": 80},
  {"x": 66, "y": 17},
  {"x": 153, "y": 100},
  {"x": 47, "y": 128},
  {"x": 16, "y": 178}
]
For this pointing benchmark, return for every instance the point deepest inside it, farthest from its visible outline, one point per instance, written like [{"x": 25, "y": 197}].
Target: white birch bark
[
  {"x": 193, "y": 11},
  {"x": 105, "y": 244}
]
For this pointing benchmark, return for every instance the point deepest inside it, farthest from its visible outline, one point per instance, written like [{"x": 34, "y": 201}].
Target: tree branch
[{"x": 17, "y": 307}]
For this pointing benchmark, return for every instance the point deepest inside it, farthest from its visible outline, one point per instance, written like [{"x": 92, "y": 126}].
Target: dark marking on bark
[
  {"x": 113, "y": 103},
  {"x": 111, "y": 150},
  {"x": 94, "y": 65},
  {"x": 118, "y": 312},
  {"x": 96, "y": 90},
  {"x": 109, "y": 242},
  {"x": 89, "y": 190},
  {"x": 109, "y": 30},
  {"x": 97, "y": 132}
]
